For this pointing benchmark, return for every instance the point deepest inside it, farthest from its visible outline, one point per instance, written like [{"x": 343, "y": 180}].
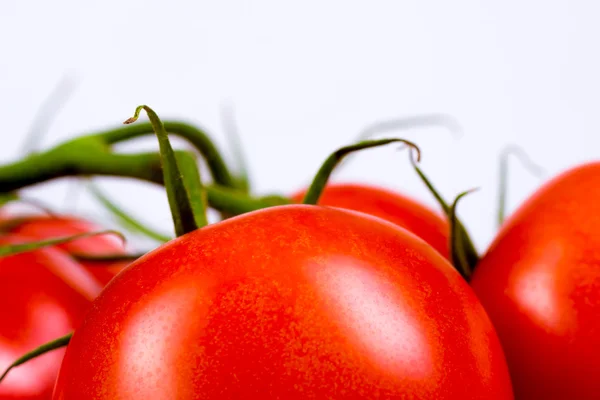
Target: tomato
[
  {"x": 408, "y": 213},
  {"x": 540, "y": 283},
  {"x": 289, "y": 302},
  {"x": 44, "y": 294},
  {"x": 42, "y": 227}
]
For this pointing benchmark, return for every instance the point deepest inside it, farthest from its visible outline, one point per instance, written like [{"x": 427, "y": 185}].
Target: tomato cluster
[{"x": 337, "y": 291}]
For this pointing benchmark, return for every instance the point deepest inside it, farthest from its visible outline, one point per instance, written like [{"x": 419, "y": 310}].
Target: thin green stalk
[
  {"x": 91, "y": 156},
  {"x": 12, "y": 249},
  {"x": 322, "y": 177},
  {"x": 470, "y": 251},
  {"x": 235, "y": 141},
  {"x": 406, "y": 123},
  {"x": 185, "y": 191},
  {"x": 414, "y": 121},
  {"x": 9, "y": 197},
  {"x": 79, "y": 158},
  {"x": 45, "y": 348},
  {"x": 47, "y": 112},
  {"x": 101, "y": 260},
  {"x": 532, "y": 167},
  {"x": 457, "y": 238},
  {"x": 197, "y": 137},
  {"x": 125, "y": 219},
  {"x": 236, "y": 203}
]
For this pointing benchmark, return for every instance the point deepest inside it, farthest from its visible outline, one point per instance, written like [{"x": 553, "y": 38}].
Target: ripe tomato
[
  {"x": 540, "y": 283},
  {"x": 44, "y": 294},
  {"x": 42, "y": 227},
  {"x": 410, "y": 214},
  {"x": 289, "y": 302}
]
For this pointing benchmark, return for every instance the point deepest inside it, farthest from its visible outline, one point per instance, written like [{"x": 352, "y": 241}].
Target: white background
[{"x": 306, "y": 77}]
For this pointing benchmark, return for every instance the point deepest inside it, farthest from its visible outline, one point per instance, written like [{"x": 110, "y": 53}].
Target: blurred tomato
[
  {"x": 40, "y": 227},
  {"x": 540, "y": 283},
  {"x": 401, "y": 210},
  {"x": 43, "y": 295}
]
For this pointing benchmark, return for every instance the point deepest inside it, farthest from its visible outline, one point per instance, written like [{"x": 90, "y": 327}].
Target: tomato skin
[
  {"x": 44, "y": 295},
  {"x": 399, "y": 209},
  {"x": 290, "y": 302},
  {"x": 540, "y": 283},
  {"x": 43, "y": 227}
]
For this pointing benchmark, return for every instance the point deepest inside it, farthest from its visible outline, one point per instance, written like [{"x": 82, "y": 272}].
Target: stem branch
[{"x": 197, "y": 137}]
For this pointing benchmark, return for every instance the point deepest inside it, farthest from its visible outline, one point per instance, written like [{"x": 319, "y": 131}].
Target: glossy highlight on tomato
[
  {"x": 540, "y": 283},
  {"x": 289, "y": 302},
  {"x": 44, "y": 295},
  {"x": 402, "y": 210},
  {"x": 41, "y": 227}
]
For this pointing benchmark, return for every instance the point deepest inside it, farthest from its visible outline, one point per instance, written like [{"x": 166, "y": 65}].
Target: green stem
[
  {"x": 198, "y": 138},
  {"x": 236, "y": 203},
  {"x": 234, "y": 138},
  {"x": 47, "y": 112},
  {"x": 79, "y": 158},
  {"x": 89, "y": 156},
  {"x": 469, "y": 248},
  {"x": 406, "y": 123},
  {"x": 457, "y": 239},
  {"x": 195, "y": 191},
  {"x": 9, "y": 197},
  {"x": 125, "y": 220},
  {"x": 321, "y": 178},
  {"x": 11, "y": 249},
  {"x": 106, "y": 258},
  {"x": 45, "y": 348},
  {"x": 185, "y": 192},
  {"x": 410, "y": 122},
  {"x": 532, "y": 167}
]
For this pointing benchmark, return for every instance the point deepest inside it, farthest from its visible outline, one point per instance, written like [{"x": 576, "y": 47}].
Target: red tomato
[
  {"x": 540, "y": 283},
  {"x": 290, "y": 302},
  {"x": 42, "y": 227},
  {"x": 44, "y": 294},
  {"x": 410, "y": 214}
]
